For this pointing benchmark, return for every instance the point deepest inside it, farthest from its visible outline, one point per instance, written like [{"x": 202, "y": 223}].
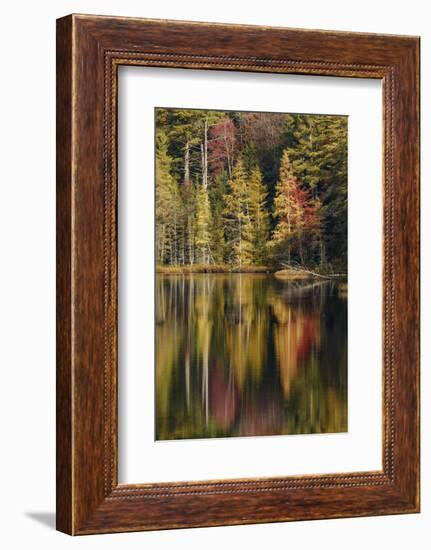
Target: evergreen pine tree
[
  {"x": 237, "y": 218},
  {"x": 168, "y": 206},
  {"x": 259, "y": 217}
]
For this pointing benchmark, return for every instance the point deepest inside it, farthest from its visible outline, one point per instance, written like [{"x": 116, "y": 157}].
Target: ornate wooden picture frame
[{"x": 89, "y": 51}]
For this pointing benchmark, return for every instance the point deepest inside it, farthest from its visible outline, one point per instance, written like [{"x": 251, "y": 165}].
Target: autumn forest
[{"x": 243, "y": 190}]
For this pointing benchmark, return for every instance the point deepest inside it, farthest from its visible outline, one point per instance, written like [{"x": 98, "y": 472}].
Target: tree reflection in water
[{"x": 249, "y": 355}]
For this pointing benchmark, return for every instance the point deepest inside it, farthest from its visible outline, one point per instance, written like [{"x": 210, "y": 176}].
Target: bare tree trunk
[
  {"x": 187, "y": 166},
  {"x": 229, "y": 162},
  {"x": 191, "y": 249},
  {"x": 206, "y": 152},
  {"x": 204, "y": 155},
  {"x": 203, "y": 164},
  {"x": 183, "y": 242},
  {"x": 174, "y": 238},
  {"x": 163, "y": 243}
]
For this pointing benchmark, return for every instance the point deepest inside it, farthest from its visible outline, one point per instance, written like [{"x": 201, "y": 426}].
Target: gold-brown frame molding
[{"x": 89, "y": 51}]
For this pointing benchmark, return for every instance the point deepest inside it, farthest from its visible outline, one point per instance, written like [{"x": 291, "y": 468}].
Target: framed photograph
[{"x": 237, "y": 274}]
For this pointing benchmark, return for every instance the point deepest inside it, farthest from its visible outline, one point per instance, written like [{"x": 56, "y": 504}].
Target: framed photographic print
[{"x": 237, "y": 274}]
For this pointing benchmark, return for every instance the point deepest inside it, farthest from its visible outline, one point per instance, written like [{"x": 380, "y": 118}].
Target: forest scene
[{"x": 251, "y": 273}]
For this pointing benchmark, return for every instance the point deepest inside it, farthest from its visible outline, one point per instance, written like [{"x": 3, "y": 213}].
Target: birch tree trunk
[
  {"x": 204, "y": 155},
  {"x": 187, "y": 166}
]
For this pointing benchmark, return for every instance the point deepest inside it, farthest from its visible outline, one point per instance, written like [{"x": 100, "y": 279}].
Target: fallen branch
[{"x": 302, "y": 269}]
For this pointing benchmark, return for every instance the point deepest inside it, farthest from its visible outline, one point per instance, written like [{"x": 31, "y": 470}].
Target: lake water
[{"x": 249, "y": 355}]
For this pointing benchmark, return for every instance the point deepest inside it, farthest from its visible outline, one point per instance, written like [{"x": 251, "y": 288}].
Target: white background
[
  {"x": 141, "y": 458},
  {"x": 27, "y": 244}
]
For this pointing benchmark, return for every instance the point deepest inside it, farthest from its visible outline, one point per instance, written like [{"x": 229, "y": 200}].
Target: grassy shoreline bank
[
  {"x": 211, "y": 268},
  {"x": 282, "y": 274}
]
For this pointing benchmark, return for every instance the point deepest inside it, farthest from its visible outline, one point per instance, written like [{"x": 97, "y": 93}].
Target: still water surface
[{"x": 249, "y": 355}]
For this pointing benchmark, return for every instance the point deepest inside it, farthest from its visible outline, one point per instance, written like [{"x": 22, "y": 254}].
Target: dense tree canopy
[{"x": 247, "y": 189}]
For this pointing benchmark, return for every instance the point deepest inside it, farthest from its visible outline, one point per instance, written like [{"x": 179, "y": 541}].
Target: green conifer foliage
[
  {"x": 259, "y": 216},
  {"x": 237, "y": 218},
  {"x": 168, "y": 206}
]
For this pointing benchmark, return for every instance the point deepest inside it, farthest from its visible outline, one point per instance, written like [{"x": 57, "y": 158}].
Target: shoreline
[
  {"x": 280, "y": 274},
  {"x": 212, "y": 268}
]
